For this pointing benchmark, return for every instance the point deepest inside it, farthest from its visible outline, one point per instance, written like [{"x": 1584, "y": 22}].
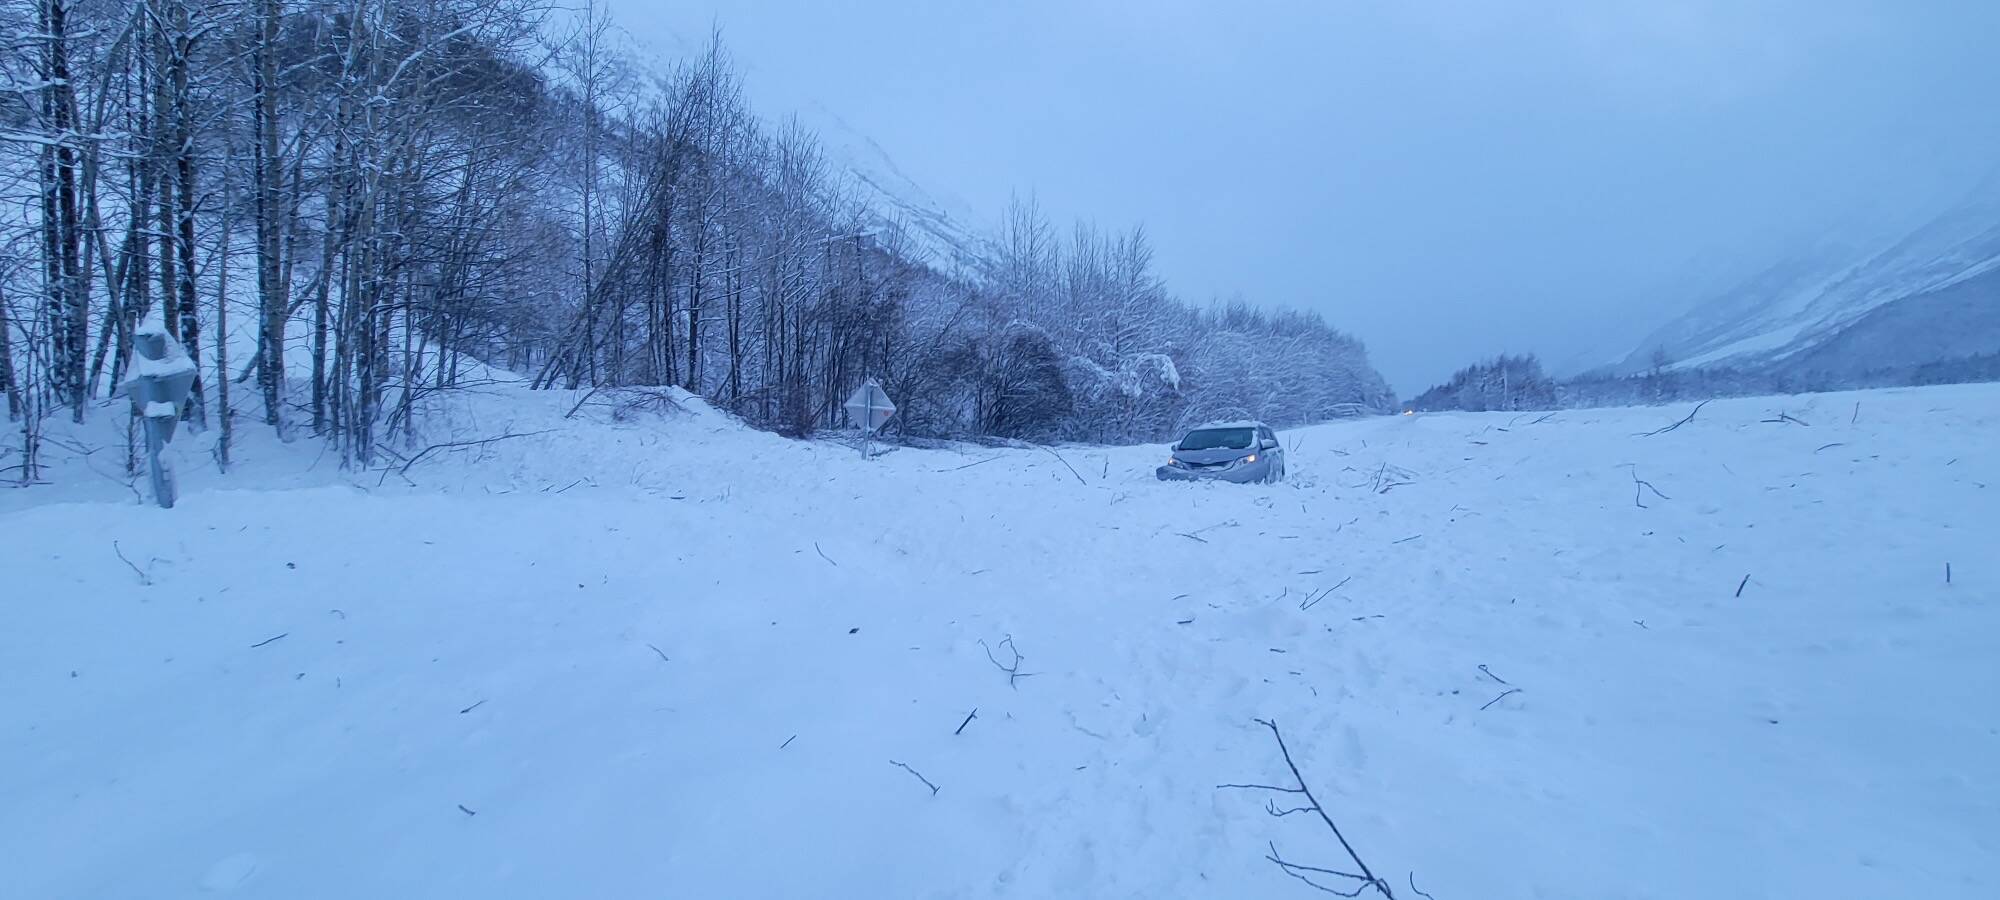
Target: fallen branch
[
  {"x": 662, "y": 653},
  {"x": 1740, "y": 585},
  {"x": 1829, "y": 446},
  {"x": 580, "y": 403},
  {"x": 974, "y": 714},
  {"x": 1690, "y": 418},
  {"x": 1784, "y": 417},
  {"x": 920, "y": 776},
  {"x": 1363, "y": 881},
  {"x": 1489, "y": 674},
  {"x": 266, "y": 641},
  {"x": 453, "y": 445},
  {"x": 822, "y": 555}
]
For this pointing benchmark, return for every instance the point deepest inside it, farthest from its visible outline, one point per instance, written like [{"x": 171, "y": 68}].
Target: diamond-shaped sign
[{"x": 869, "y": 407}]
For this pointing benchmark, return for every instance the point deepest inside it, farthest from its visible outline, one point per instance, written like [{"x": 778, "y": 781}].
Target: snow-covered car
[{"x": 1232, "y": 451}]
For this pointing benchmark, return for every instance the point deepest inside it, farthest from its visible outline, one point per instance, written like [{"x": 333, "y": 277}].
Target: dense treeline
[{"x": 381, "y": 200}]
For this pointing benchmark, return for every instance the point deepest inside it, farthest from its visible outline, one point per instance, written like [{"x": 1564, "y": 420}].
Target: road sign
[
  {"x": 870, "y": 408},
  {"x": 162, "y": 375}
]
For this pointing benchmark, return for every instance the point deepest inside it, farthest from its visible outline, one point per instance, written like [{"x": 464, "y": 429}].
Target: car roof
[{"x": 1238, "y": 424}]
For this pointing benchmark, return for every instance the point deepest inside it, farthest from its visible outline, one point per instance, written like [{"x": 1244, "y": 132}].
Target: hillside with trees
[{"x": 348, "y": 211}]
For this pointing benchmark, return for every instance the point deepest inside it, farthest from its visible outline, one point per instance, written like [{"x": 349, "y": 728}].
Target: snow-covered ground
[{"x": 671, "y": 657}]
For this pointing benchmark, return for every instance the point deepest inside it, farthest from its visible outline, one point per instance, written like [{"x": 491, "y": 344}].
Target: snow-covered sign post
[
  {"x": 162, "y": 375},
  {"x": 869, "y": 408}
]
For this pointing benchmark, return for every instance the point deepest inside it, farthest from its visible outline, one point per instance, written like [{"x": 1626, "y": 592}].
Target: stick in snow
[
  {"x": 1489, "y": 674},
  {"x": 461, "y": 808},
  {"x": 662, "y": 653},
  {"x": 266, "y": 641},
  {"x": 788, "y": 742},
  {"x": 482, "y": 702},
  {"x": 1740, "y": 585},
  {"x": 974, "y": 714},
  {"x": 822, "y": 555},
  {"x": 920, "y": 777},
  {"x": 1690, "y": 418}
]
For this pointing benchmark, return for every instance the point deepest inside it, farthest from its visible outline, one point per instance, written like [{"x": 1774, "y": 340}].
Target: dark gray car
[{"x": 1234, "y": 451}]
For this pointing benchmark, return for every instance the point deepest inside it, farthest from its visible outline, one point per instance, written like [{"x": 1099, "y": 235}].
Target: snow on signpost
[
  {"x": 869, "y": 408},
  {"x": 161, "y": 377}
]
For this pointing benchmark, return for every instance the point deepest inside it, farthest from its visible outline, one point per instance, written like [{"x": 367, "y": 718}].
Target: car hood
[{"x": 1210, "y": 457}]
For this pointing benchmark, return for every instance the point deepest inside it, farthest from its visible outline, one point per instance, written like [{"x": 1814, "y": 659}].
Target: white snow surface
[{"x": 673, "y": 657}]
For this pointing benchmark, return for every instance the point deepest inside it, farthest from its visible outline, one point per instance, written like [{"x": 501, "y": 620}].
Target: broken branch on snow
[{"x": 1363, "y": 881}]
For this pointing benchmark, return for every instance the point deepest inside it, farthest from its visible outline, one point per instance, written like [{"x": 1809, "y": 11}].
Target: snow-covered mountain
[
  {"x": 1786, "y": 315},
  {"x": 942, "y": 230}
]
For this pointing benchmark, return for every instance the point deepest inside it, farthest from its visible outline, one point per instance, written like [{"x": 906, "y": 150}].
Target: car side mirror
[{"x": 1269, "y": 444}]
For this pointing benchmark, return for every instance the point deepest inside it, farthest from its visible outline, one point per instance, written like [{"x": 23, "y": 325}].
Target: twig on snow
[
  {"x": 1489, "y": 674},
  {"x": 1420, "y": 893},
  {"x": 1830, "y": 446},
  {"x": 920, "y": 776},
  {"x": 453, "y": 445},
  {"x": 145, "y": 580},
  {"x": 1191, "y": 537},
  {"x": 969, "y": 465},
  {"x": 822, "y": 555},
  {"x": 1013, "y": 671},
  {"x": 1740, "y": 585},
  {"x": 1690, "y": 418},
  {"x": 267, "y": 640},
  {"x": 1503, "y": 695},
  {"x": 662, "y": 653},
  {"x": 482, "y": 702},
  {"x": 1639, "y": 488},
  {"x": 1363, "y": 881},
  {"x": 1784, "y": 417},
  {"x": 974, "y": 714},
  {"x": 1066, "y": 465}
]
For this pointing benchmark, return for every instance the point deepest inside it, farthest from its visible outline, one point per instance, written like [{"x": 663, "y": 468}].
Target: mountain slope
[
  {"x": 1780, "y": 316},
  {"x": 942, "y": 231}
]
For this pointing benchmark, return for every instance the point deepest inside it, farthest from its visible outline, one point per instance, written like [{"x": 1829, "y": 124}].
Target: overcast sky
[{"x": 1446, "y": 180}]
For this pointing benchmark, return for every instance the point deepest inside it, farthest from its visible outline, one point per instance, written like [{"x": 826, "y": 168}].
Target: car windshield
[{"x": 1218, "y": 439}]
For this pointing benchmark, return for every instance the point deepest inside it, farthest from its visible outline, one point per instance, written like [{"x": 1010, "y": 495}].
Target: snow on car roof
[{"x": 1239, "y": 424}]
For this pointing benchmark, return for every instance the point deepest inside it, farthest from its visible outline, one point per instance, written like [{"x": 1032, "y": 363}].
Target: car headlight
[{"x": 1250, "y": 459}]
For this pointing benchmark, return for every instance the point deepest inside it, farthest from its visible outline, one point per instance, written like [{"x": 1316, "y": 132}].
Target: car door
[{"x": 1269, "y": 441}]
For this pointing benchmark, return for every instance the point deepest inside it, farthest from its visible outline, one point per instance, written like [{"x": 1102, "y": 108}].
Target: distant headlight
[{"x": 1250, "y": 459}]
